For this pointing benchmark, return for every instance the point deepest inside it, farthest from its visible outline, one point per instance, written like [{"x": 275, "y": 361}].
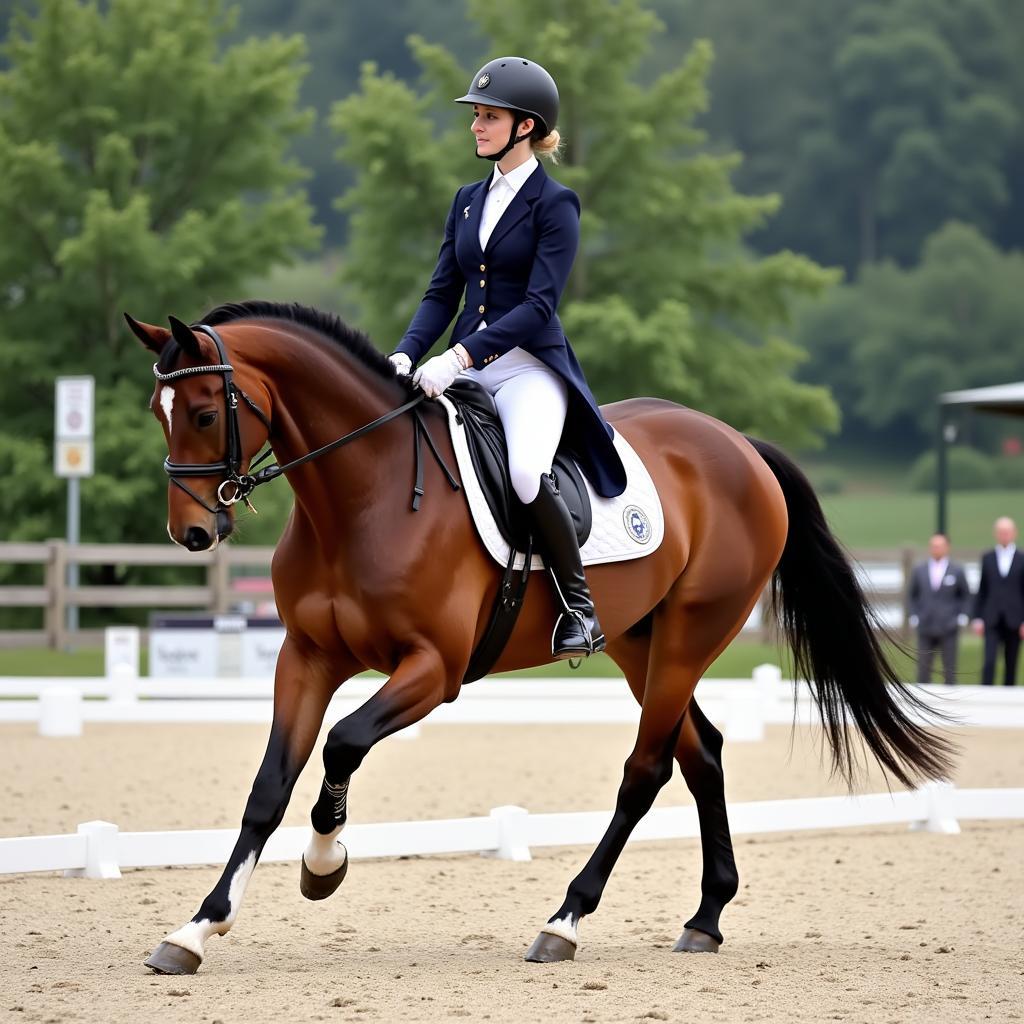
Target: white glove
[
  {"x": 437, "y": 374},
  {"x": 401, "y": 362}
]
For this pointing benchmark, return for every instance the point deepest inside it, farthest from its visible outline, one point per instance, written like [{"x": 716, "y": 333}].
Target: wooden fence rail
[
  {"x": 54, "y": 596},
  {"x": 216, "y": 595}
]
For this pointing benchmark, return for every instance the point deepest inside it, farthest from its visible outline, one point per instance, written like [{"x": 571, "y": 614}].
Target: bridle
[{"x": 236, "y": 485}]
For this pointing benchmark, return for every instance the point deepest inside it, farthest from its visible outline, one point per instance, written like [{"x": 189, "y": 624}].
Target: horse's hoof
[
  {"x": 168, "y": 958},
  {"x": 319, "y": 887},
  {"x": 549, "y": 949},
  {"x": 694, "y": 941}
]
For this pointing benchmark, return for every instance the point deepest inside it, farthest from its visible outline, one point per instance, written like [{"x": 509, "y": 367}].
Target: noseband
[{"x": 236, "y": 485}]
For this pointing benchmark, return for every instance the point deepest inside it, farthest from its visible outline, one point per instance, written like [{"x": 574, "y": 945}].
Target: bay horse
[{"x": 362, "y": 581}]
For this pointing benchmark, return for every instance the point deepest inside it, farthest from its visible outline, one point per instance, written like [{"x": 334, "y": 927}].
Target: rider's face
[{"x": 491, "y": 128}]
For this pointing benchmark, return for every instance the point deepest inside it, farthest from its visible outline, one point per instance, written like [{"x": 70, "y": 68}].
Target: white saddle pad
[{"x": 629, "y": 526}]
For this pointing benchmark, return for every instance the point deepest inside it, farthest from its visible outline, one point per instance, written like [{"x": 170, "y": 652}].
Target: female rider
[{"x": 509, "y": 244}]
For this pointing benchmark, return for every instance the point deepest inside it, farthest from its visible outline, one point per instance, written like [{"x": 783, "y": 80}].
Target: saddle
[{"x": 476, "y": 411}]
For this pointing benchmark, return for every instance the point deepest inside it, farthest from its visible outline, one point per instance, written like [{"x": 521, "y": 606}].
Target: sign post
[{"x": 72, "y": 459}]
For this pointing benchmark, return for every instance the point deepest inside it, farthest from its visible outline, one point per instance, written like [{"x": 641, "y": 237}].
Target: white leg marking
[
  {"x": 167, "y": 404},
  {"x": 193, "y": 935},
  {"x": 563, "y": 928},
  {"x": 324, "y": 854}
]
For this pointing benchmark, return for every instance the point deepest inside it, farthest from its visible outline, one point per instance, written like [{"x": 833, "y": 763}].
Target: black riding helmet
[{"x": 521, "y": 86}]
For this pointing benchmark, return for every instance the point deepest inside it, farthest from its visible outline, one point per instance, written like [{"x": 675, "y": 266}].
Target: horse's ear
[
  {"x": 154, "y": 338},
  {"x": 186, "y": 338}
]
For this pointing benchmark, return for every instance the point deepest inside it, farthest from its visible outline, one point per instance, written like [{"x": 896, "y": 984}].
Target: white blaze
[{"x": 167, "y": 404}]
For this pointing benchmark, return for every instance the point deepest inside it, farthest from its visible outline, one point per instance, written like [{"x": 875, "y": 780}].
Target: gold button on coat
[
  {"x": 482, "y": 282},
  {"x": 480, "y": 309},
  {"x": 483, "y": 267}
]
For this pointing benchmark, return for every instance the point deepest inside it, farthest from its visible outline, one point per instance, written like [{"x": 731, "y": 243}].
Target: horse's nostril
[{"x": 196, "y": 539}]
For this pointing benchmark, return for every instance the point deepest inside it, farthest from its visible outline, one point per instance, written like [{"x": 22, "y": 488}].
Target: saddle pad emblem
[{"x": 637, "y": 524}]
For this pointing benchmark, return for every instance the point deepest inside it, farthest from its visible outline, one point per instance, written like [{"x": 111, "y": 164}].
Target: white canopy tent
[{"x": 1000, "y": 399}]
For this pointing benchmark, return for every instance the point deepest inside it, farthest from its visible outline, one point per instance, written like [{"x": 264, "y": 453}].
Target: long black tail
[{"x": 836, "y": 647}]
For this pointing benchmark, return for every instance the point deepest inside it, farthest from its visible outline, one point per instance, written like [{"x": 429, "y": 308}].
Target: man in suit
[
  {"x": 939, "y": 600},
  {"x": 999, "y": 603}
]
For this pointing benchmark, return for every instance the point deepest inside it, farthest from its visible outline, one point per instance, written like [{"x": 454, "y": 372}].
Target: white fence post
[
  {"x": 940, "y": 815},
  {"x": 767, "y": 679},
  {"x": 747, "y": 704},
  {"x": 100, "y": 851},
  {"x": 60, "y": 711},
  {"x": 512, "y": 840},
  {"x": 121, "y": 662}
]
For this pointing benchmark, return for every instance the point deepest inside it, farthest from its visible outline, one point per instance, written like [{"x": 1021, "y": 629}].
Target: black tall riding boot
[{"x": 577, "y": 632}]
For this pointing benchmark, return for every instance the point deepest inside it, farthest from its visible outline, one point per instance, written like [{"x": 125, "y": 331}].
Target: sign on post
[{"x": 72, "y": 456}]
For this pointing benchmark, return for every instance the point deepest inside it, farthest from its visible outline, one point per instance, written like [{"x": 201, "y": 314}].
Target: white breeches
[{"x": 532, "y": 402}]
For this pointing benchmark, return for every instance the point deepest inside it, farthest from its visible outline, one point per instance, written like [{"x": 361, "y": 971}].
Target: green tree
[
  {"x": 889, "y": 344},
  {"x": 340, "y": 37},
  {"x": 664, "y": 299},
  {"x": 142, "y": 167},
  {"x": 878, "y": 120}
]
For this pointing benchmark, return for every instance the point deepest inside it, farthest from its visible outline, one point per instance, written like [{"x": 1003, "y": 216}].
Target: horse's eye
[{"x": 207, "y": 419}]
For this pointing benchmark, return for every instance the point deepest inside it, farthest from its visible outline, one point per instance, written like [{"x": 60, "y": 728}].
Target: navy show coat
[{"x": 515, "y": 284}]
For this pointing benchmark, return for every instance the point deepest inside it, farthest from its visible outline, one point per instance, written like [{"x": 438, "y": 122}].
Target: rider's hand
[
  {"x": 401, "y": 362},
  {"x": 437, "y": 374}
]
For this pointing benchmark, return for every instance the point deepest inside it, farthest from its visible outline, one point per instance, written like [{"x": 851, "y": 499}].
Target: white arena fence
[
  {"x": 100, "y": 850},
  {"x": 742, "y": 707}
]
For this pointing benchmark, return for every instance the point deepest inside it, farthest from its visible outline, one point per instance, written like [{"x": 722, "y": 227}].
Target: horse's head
[{"x": 209, "y": 445}]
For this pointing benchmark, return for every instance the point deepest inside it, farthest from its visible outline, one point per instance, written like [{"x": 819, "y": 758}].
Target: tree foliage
[
  {"x": 142, "y": 167},
  {"x": 879, "y": 120},
  {"x": 890, "y": 343},
  {"x": 664, "y": 299}
]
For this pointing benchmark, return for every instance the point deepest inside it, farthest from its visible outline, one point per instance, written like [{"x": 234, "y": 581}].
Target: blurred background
[{"x": 804, "y": 218}]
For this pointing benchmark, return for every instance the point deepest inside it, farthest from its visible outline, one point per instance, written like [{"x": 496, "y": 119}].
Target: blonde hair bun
[{"x": 549, "y": 146}]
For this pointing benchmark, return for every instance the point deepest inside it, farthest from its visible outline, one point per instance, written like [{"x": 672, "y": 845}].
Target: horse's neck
[{"x": 319, "y": 393}]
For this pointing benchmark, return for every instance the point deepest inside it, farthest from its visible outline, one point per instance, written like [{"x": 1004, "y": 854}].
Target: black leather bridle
[{"x": 236, "y": 485}]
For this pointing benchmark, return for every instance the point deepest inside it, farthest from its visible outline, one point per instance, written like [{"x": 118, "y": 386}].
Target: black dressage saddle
[
  {"x": 487, "y": 449},
  {"x": 477, "y": 414}
]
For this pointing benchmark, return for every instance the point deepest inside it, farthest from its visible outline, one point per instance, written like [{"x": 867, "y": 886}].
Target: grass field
[
  {"x": 892, "y": 519},
  {"x": 737, "y": 662}
]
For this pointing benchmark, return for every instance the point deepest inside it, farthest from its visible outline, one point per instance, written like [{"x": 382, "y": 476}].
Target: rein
[{"x": 243, "y": 484}]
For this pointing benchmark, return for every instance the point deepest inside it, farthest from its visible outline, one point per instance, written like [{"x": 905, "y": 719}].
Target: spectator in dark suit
[
  {"x": 999, "y": 603},
  {"x": 939, "y": 601}
]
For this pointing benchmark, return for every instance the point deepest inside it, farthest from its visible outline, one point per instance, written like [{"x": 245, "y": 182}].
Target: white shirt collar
[
  {"x": 515, "y": 178},
  {"x": 1011, "y": 548}
]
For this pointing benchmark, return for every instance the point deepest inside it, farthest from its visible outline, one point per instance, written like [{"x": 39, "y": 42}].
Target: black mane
[{"x": 328, "y": 324}]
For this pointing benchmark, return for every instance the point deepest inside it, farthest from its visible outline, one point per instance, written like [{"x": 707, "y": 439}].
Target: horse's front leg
[
  {"x": 417, "y": 686},
  {"x": 303, "y": 685}
]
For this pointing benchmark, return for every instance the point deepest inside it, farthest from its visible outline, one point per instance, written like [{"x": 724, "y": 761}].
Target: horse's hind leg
[
  {"x": 685, "y": 638},
  {"x": 670, "y": 683},
  {"x": 699, "y": 753}
]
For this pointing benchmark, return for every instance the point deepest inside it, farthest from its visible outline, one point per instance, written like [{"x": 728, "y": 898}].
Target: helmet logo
[{"x": 483, "y": 81}]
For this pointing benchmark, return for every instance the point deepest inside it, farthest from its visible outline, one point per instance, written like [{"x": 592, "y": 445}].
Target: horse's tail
[{"x": 835, "y": 638}]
